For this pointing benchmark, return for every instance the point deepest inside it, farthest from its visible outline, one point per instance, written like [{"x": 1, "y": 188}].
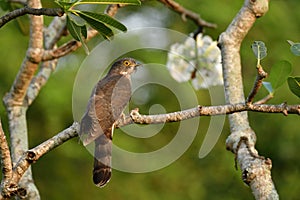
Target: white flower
[
  {"x": 201, "y": 55},
  {"x": 179, "y": 63}
]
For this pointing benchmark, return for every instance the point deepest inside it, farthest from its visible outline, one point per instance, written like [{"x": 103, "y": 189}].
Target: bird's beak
[{"x": 137, "y": 64}]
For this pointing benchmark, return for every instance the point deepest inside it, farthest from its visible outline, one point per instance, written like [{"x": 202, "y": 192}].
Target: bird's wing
[
  {"x": 106, "y": 104},
  {"x": 89, "y": 124},
  {"x": 120, "y": 96}
]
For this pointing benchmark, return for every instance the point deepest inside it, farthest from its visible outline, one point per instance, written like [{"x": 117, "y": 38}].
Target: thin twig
[
  {"x": 66, "y": 48},
  {"x": 37, "y": 152},
  {"x": 61, "y": 51},
  {"x": 261, "y": 74},
  {"x": 136, "y": 117},
  {"x": 33, "y": 11},
  {"x": 265, "y": 99},
  {"x": 185, "y": 13}
]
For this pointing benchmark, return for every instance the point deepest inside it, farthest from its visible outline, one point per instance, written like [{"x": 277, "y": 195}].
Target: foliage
[
  {"x": 295, "y": 48},
  {"x": 294, "y": 82},
  {"x": 279, "y": 72},
  {"x": 78, "y": 19},
  {"x": 294, "y": 85},
  {"x": 278, "y": 75},
  {"x": 259, "y": 49}
]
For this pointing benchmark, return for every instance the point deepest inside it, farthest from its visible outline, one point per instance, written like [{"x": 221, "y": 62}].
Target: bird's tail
[{"x": 102, "y": 161}]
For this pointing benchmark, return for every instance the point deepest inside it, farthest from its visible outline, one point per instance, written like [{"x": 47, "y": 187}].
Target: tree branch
[
  {"x": 16, "y": 104},
  {"x": 10, "y": 187},
  {"x": 136, "y": 117},
  {"x": 187, "y": 13},
  {"x": 37, "y": 152},
  {"x": 52, "y": 35},
  {"x": 29, "y": 65},
  {"x": 65, "y": 49},
  {"x": 5, "y": 155},
  {"x": 5, "y": 161},
  {"x": 265, "y": 99},
  {"x": 256, "y": 171},
  {"x": 33, "y": 11},
  {"x": 34, "y": 154}
]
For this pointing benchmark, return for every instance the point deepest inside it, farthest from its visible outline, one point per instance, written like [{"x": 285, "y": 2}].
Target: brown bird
[{"x": 106, "y": 104}]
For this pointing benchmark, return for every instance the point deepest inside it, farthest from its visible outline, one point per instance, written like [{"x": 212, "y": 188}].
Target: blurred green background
[{"x": 65, "y": 173}]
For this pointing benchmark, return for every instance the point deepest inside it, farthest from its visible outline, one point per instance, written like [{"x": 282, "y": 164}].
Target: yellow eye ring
[{"x": 126, "y": 63}]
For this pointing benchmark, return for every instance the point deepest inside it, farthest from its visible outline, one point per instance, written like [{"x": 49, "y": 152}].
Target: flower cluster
[{"x": 196, "y": 60}]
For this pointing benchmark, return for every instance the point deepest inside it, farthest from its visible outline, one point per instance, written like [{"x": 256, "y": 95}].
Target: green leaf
[
  {"x": 132, "y": 2},
  {"x": 294, "y": 85},
  {"x": 97, "y": 25},
  {"x": 279, "y": 73},
  {"x": 66, "y": 5},
  {"x": 295, "y": 48},
  {"x": 4, "y": 5},
  {"x": 268, "y": 86},
  {"x": 76, "y": 19},
  {"x": 105, "y": 19},
  {"x": 23, "y": 24},
  {"x": 259, "y": 49},
  {"x": 75, "y": 31},
  {"x": 84, "y": 31}
]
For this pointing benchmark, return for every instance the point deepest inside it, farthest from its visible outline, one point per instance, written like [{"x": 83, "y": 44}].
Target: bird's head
[{"x": 124, "y": 66}]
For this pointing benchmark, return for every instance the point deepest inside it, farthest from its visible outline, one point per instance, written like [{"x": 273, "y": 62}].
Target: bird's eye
[{"x": 126, "y": 63}]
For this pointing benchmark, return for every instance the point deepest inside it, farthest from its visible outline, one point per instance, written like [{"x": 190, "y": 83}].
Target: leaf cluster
[
  {"x": 78, "y": 19},
  {"x": 281, "y": 70}
]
